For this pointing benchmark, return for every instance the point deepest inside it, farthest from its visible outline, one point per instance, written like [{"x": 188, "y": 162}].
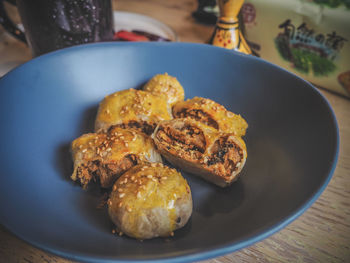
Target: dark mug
[{"x": 53, "y": 24}]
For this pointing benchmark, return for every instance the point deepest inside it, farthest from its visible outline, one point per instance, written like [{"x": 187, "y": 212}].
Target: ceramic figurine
[{"x": 227, "y": 33}]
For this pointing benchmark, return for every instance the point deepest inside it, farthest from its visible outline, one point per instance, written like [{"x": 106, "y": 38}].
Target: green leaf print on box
[
  {"x": 307, "y": 50},
  {"x": 333, "y": 3}
]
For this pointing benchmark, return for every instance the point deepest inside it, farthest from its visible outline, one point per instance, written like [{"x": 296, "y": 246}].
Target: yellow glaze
[
  {"x": 147, "y": 186},
  {"x": 166, "y": 86},
  {"x": 111, "y": 147},
  {"x": 227, "y": 121},
  {"x": 131, "y": 105}
]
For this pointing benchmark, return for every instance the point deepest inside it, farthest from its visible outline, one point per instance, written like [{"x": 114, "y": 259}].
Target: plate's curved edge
[
  {"x": 164, "y": 26},
  {"x": 224, "y": 248}
]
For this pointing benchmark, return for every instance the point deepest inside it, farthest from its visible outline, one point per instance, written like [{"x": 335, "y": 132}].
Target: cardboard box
[{"x": 310, "y": 38}]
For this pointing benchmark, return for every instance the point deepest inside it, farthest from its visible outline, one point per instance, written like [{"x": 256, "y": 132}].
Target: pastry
[
  {"x": 166, "y": 86},
  {"x": 150, "y": 200},
  {"x": 103, "y": 157},
  {"x": 132, "y": 108},
  {"x": 212, "y": 114},
  {"x": 201, "y": 150}
]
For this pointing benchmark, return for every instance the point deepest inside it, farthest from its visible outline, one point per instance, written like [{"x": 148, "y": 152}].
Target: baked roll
[
  {"x": 212, "y": 114},
  {"x": 132, "y": 108},
  {"x": 150, "y": 200},
  {"x": 201, "y": 150},
  {"x": 103, "y": 157},
  {"x": 166, "y": 86}
]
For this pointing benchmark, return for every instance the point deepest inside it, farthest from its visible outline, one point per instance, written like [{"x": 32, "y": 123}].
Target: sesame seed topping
[
  {"x": 138, "y": 195},
  {"x": 121, "y": 195},
  {"x": 229, "y": 114},
  {"x": 120, "y": 190},
  {"x": 109, "y": 202},
  {"x": 149, "y": 176},
  {"x": 84, "y": 150},
  {"x": 129, "y": 209},
  {"x": 120, "y": 204},
  {"x": 114, "y": 188}
]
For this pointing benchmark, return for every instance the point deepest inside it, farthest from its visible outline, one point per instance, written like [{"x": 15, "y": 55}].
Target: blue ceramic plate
[{"x": 292, "y": 143}]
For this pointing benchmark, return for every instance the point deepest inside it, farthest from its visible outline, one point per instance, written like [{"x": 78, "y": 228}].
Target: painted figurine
[{"x": 227, "y": 33}]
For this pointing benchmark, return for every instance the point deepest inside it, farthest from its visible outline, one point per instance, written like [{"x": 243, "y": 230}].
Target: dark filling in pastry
[
  {"x": 105, "y": 173},
  {"x": 226, "y": 155},
  {"x": 142, "y": 126},
  {"x": 190, "y": 140},
  {"x": 198, "y": 115}
]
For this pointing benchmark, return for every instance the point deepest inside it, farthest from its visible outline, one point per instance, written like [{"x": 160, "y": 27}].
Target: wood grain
[{"x": 321, "y": 234}]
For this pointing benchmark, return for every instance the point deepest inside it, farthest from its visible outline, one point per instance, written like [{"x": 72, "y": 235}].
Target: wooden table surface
[{"x": 321, "y": 234}]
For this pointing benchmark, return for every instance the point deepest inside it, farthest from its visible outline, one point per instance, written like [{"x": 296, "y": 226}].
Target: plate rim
[{"x": 149, "y": 18}]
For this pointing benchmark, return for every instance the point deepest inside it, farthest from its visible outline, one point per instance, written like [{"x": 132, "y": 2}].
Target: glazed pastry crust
[
  {"x": 132, "y": 108},
  {"x": 103, "y": 157},
  {"x": 166, "y": 86},
  {"x": 212, "y": 114},
  {"x": 201, "y": 150},
  {"x": 150, "y": 200}
]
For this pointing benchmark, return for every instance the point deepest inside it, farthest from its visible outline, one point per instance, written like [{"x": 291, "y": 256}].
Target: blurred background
[{"x": 307, "y": 37}]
